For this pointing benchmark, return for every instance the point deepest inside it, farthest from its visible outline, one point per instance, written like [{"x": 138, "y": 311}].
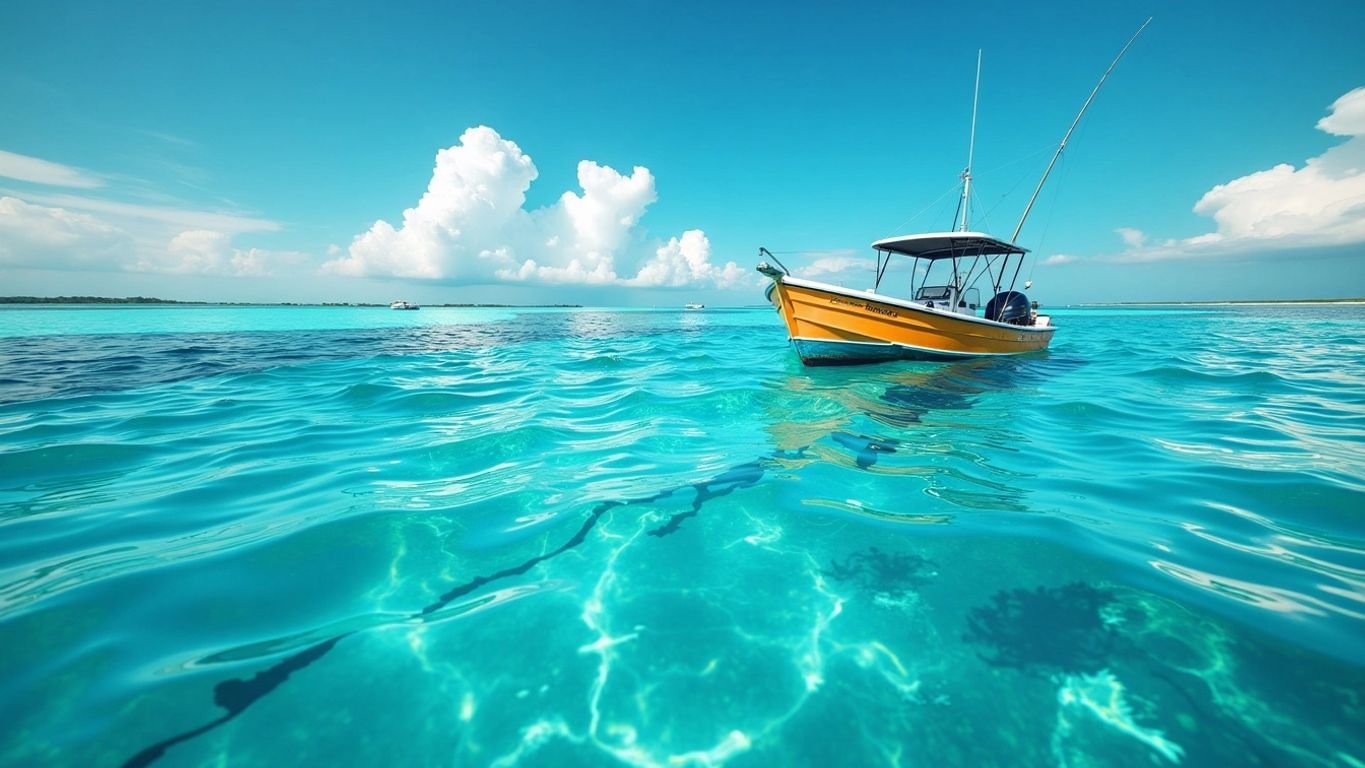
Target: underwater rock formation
[
  {"x": 1046, "y": 629},
  {"x": 882, "y": 572}
]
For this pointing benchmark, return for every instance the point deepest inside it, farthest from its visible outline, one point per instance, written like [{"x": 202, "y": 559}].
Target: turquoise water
[{"x": 273, "y": 536}]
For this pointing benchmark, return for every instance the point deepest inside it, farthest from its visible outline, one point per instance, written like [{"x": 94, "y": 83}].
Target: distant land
[
  {"x": 152, "y": 300},
  {"x": 89, "y": 300}
]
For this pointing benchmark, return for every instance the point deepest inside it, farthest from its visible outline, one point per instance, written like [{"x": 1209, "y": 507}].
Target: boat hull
[{"x": 831, "y": 325}]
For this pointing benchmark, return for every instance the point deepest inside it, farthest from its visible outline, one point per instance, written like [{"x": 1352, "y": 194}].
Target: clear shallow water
[{"x": 262, "y": 536}]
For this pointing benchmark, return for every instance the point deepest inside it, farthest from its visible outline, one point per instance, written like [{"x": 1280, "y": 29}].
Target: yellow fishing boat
[{"x": 943, "y": 317}]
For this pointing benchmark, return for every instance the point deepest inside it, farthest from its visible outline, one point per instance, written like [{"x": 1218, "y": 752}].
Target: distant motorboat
[
  {"x": 694, "y": 306},
  {"x": 403, "y": 305}
]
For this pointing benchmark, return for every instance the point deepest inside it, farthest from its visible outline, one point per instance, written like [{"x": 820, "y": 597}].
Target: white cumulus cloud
[
  {"x": 1346, "y": 116},
  {"x": 1057, "y": 260},
  {"x": 1319, "y": 204},
  {"x": 472, "y": 226},
  {"x": 686, "y": 260}
]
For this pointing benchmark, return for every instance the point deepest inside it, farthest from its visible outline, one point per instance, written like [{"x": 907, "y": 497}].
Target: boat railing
[{"x": 773, "y": 273}]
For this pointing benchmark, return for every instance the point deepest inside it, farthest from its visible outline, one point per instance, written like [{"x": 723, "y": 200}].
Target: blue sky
[{"x": 640, "y": 153}]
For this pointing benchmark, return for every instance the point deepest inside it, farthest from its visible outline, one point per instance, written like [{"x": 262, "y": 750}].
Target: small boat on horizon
[
  {"x": 942, "y": 318},
  {"x": 691, "y": 305},
  {"x": 405, "y": 305}
]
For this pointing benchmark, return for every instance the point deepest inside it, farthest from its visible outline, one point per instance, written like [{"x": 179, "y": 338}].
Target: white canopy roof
[{"x": 947, "y": 245}]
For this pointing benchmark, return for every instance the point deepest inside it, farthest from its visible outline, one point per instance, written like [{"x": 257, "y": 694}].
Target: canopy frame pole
[{"x": 881, "y": 271}]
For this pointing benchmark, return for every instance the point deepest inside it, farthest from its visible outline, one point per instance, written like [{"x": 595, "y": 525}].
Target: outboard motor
[{"x": 1009, "y": 307}]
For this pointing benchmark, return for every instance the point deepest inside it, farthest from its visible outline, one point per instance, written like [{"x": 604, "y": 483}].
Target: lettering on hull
[{"x": 866, "y": 307}]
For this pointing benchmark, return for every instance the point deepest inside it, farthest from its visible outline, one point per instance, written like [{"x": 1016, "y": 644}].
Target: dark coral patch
[{"x": 1045, "y": 629}]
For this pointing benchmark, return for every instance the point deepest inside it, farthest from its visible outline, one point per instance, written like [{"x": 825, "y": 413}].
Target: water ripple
[{"x": 586, "y": 535}]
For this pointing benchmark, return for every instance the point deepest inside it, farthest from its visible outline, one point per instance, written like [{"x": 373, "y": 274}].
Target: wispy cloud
[
  {"x": 53, "y": 229},
  {"x": 38, "y": 171},
  {"x": 53, "y": 238},
  {"x": 1320, "y": 204},
  {"x": 167, "y": 138},
  {"x": 1057, "y": 260},
  {"x": 205, "y": 252},
  {"x": 839, "y": 262},
  {"x": 1133, "y": 238},
  {"x": 179, "y": 217},
  {"x": 472, "y": 226},
  {"x": 127, "y": 237}
]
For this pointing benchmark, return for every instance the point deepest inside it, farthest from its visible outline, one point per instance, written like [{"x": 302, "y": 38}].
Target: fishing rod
[{"x": 1074, "y": 123}]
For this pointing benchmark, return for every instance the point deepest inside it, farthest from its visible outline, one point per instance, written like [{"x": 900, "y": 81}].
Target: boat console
[{"x": 949, "y": 299}]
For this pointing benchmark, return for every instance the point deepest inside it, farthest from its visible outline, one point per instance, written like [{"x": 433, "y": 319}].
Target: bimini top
[{"x": 947, "y": 245}]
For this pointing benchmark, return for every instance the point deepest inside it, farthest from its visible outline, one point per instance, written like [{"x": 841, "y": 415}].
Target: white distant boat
[
  {"x": 691, "y": 305},
  {"x": 403, "y": 305}
]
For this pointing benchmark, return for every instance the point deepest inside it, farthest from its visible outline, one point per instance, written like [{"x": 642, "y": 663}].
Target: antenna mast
[
  {"x": 971, "y": 147},
  {"x": 1074, "y": 123}
]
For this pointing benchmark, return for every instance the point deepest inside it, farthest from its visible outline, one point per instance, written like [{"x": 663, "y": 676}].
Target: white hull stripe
[
  {"x": 911, "y": 347},
  {"x": 899, "y": 303}
]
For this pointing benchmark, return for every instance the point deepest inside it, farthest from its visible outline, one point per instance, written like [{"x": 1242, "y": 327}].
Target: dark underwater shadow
[
  {"x": 1082, "y": 629},
  {"x": 875, "y": 570},
  {"x": 1046, "y": 630}
]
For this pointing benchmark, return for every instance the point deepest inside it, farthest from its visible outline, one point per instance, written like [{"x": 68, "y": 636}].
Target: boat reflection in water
[{"x": 931, "y": 426}]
